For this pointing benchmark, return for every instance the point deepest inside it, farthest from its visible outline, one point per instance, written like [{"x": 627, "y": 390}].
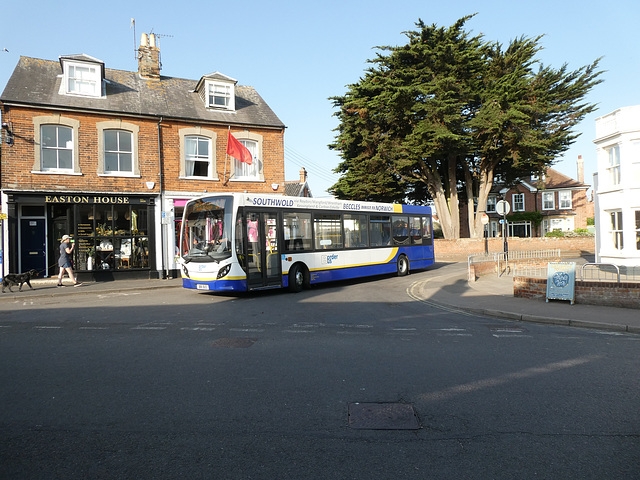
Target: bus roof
[{"x": 310, "y": 203}]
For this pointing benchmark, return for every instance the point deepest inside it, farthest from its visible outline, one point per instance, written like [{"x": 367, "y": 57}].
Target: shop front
[{"x": 113, "y": 234}]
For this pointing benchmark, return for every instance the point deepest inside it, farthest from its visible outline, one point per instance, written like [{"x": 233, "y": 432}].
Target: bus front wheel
[
  {"x": 296, "y": 278},
  {"x": 403, "y": 265}
]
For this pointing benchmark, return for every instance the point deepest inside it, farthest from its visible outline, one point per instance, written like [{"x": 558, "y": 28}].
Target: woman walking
[{"x": 64, "y": 262}]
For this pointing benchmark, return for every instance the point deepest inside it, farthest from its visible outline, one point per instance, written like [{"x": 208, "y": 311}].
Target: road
[{"x": 321, "y": 384}]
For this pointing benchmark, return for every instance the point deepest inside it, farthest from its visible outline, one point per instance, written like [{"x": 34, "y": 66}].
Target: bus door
[{"x": 264, "y": 268}]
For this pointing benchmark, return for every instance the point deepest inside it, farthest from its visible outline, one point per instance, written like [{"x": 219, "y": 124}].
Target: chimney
[
  {"x": 303, "y": 175},
  {"x": 149, "y": 57},
  {"x": 580, "y": 169}
]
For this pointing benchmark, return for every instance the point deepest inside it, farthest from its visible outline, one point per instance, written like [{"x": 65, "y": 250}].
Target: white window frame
[
  {"x": 254, "y": 172},
  {"x": 197, "y": 157},
  {"x": 59, "y": 121},
  {"x": 546, "y": 203},
  {"x": 525, "y": 223},
  {"x": 491, "y": 203},
  {"x": 616, "y": 229},
  {"x": 515, "y": 201},
  {"x": 119, "y": 125},
  {"x": 82, "y": 79},
  {"x": 224, "y": 92},
  {"x": 198, "y": 132},
  {"x": 121, "y": 153},
  {"x": 613, "y": 165},
  {"x": 566, "y": 202}
]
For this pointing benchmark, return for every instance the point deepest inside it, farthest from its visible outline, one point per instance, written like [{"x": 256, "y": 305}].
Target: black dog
[{"x": 13, "y": 279}]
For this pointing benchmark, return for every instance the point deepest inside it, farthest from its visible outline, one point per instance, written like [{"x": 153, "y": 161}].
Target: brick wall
[
  {"x": 18, "y": 159},
  {"x": 591, "y": 293},
  {"x": 459, "y": 249}
]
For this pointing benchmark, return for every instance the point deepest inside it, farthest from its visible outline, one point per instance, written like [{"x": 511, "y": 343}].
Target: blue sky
[{"x": 298, "y": 54}]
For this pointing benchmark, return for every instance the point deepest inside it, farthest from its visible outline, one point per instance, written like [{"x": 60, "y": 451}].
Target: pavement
[{"x": 444, "y": 285}]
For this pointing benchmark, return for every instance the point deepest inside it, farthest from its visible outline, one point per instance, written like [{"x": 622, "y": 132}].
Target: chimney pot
[
  {"x": 149, "y": 57},
  {"x": 303, "y": 175}
]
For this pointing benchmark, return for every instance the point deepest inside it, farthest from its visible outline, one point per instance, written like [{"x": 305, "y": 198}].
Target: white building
[{"x": 617, "y": 187}]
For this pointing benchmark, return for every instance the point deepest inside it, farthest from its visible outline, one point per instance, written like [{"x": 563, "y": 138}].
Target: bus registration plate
[{"x": 202, "y": 286}]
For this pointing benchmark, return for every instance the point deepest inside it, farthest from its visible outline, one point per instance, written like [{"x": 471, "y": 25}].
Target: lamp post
[{"x": 502, "y": 208}]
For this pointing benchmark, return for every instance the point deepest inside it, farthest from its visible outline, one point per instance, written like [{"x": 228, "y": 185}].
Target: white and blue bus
[{"x": 246, "y": 241}]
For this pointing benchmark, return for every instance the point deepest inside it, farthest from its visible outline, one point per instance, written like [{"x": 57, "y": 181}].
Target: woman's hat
[{"x": 65, "y": 237}]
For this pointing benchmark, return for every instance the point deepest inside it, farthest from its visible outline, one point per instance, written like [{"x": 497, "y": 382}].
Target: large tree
[{"x": 439, "y": 117}]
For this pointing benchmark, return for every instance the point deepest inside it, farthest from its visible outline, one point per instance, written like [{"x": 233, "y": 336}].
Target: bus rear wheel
[
  {"x": 297, "y": 278},
  {"x": 403, "y": 265}
]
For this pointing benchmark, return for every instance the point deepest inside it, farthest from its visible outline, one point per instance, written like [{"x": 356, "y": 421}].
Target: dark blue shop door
[{"x": 33, "y": 245}]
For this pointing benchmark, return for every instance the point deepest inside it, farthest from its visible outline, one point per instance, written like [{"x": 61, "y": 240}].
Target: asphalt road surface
[{"x": 354, "y": 380}]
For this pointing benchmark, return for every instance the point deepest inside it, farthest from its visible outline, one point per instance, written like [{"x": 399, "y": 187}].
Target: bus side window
[
  {"x": 426, "y": 230},
  {"x": 297, "y": 231},
  {"x": 400, "y": 230},
  {"x": 415, "y": 230}
]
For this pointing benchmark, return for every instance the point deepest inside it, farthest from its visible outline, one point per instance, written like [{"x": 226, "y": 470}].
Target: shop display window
[{"x": 112, "y": 237}]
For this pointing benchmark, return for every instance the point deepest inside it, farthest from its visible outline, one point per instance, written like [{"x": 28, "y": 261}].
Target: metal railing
[
  {"x": 589, "y": 272},
  {"x": 502, "y": 259},
  {"x": 604, "y": 272}
]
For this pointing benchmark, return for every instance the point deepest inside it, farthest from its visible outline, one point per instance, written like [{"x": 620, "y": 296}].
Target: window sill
[
  {"x": 55, "y": 172},
  {"x": 209, "y": 179},
  {"x": 116, "y": 174},
  {"x": 252, "y": 179}
]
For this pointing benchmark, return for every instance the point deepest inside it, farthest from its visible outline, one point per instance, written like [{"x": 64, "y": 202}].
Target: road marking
[
  {"x": 45, "y": 327},
  {"x": 148, "y": 328}
]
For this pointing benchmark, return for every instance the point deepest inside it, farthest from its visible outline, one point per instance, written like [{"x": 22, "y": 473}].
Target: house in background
[
  {"x": 560, "y": 200},
  {"x": 111, "y": 157},
  {"x": 617, "y": 187},
  {"x": 298, "y": 189}
]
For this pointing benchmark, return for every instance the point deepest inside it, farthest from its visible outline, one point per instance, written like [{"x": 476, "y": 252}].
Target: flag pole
[{"x": 224, "y": 175}]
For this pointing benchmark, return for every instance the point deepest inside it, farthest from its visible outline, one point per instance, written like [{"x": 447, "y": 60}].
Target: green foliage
[
  {"x": 578, "y": 232},
  {"x": 439, "y": 116},
  {"x": 534, "y": 217},
  {"x": 590, "y": 221}
]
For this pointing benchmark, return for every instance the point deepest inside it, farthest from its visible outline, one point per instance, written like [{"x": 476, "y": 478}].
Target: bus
[{"x": 248, "y": 241}]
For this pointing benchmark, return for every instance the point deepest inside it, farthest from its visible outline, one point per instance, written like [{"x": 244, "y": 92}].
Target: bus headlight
[{"x": 224, "y": 271}]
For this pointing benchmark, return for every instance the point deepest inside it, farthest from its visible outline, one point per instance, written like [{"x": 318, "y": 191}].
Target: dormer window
[
  {"x": 220, "y": 95},
  {"x": 83, "y": 80},
  {"x": 218, "y": 91},
  {"x": 81, "y": 75}
]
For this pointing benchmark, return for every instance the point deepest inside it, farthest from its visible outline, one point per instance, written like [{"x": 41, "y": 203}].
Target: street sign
[
  {"x": 3, "y": 216},
  {"x": 502, "y": 207},
  {"x": 484, "y": 219}
]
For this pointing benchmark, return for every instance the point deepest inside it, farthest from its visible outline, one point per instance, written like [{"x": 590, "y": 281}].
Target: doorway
[
  {"x": 264, "y": 267},
  {"x": 33, "y": 245}
]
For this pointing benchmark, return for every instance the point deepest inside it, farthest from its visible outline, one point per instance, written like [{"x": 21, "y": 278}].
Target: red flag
[{"x": 238, "y": 151}]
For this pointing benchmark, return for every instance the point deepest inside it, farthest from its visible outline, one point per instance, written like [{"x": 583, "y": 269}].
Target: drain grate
[
  {"x": 383, "y": 416},
  {"x": 237, "y": 342}
]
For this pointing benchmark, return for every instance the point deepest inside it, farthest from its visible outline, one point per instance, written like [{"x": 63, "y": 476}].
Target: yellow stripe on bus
[{"x": 394, "y": 251}]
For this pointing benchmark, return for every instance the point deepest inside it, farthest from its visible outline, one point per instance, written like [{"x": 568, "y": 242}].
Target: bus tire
[
  {"x": 297, "y": 280},
  {"x": 403, "y": 265}
]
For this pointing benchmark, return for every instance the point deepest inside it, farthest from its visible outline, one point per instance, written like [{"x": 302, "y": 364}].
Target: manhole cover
[
  {"x": 382, "y": 416},
  {"x": 239, "y": 342}
]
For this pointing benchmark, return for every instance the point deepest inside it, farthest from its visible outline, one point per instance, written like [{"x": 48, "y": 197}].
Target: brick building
[
  {"x": 112, "y": 156},
  {"x": 561, "y": 201}
]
